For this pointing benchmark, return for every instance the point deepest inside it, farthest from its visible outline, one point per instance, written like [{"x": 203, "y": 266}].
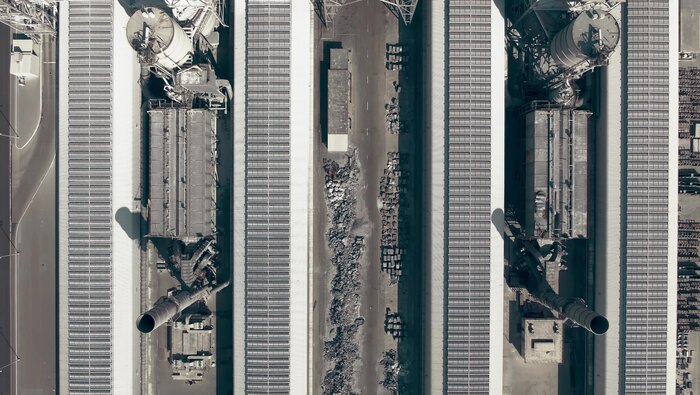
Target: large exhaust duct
[
  {"x": 576, "y": 311},
  {"x": 173, "y": 305}
]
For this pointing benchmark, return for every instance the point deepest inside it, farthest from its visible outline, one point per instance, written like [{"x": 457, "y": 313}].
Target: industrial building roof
[
  {"x": 338, "y": 98},
  {"x": 87, "y": 270},
  {"x": 267, "y": 243},
  {"x": 543, "y": 340},
  {"x": 556, "y": 173},
  {"x": 469, "y": 193},
  {"x": 645, "y": 215},
  {"x": 339, "y": 59},
  {"x": 182, "y": 189}
]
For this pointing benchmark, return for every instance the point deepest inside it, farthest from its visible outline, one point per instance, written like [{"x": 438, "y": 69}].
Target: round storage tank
[
  {"x": 155, "y": 34},
  {"x": 588, "y": 36}
]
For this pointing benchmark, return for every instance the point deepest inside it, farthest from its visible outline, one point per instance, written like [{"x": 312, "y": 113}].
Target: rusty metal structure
[
  {"x": 327, "y": 9},
  {"x": 31, "y": 17},
  {"x": 559, "y": 41},
  {"x": 404, "y": 9}
]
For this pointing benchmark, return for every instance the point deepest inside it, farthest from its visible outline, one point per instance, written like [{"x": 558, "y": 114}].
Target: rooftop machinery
[
  {"x": 180, "y": 49},
  {"x": 535, "y": 260},
  {"x": 31, "y": 17},
  {"x": 561, "y": 40}
]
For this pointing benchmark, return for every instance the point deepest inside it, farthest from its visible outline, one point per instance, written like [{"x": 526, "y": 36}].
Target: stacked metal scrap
[
  {"x": 688, "y": 275},
  {"x": 390, "y": 363},
  {"x": 346, "y": 248},
  {"x": 392, "y": 192}
]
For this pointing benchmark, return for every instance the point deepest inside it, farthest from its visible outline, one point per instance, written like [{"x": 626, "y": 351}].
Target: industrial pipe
[
  {"x": 576, "y": 311},
  {"x": 173, "y": 305}
]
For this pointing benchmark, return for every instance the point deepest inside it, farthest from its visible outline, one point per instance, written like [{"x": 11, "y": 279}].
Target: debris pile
[
  {"x": 689, "y": 100},
  {"x": 390, "y": 362},
  {"x": 392, "y": 192},
  {"x": 346, "y": 248},
  {"x": 394, "y": 325},
  {"x": 393, "y": 122}
]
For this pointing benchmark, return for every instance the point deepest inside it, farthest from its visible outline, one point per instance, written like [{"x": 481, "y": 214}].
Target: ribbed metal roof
[
  {"x": 89, "y": 197},
  {"x": 646, "y": 211},
  {"x": 182, "y": 188},
  {"x": 267, "y": 196},
  {"x": 468, "y": 178}
]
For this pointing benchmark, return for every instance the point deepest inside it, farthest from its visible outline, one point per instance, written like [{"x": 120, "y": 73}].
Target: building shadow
[
  {"x": 412, "y": 138},
  {"x": 132, "y": 223}
]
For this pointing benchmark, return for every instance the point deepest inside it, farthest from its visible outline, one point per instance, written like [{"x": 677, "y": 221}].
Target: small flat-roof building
[
  {"x": 182, "y": 193},
  {"x": 192, "y": 347},
  {"x": 338, "y": 100},
  {"x": 542, "y": 340}
]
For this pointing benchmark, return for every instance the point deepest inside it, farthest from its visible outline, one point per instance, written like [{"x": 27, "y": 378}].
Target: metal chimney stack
[{"x": 173, "y": 305}]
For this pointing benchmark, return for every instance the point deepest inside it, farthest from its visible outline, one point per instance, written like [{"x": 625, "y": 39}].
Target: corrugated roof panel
[
  {"x": 267, "y": 196},
  {"x": 89, "y": 197},
  {"x": 468, "y": 195},
  {"x": 646, "y": 197}
]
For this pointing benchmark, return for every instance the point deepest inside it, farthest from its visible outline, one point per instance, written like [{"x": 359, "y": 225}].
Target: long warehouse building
[
  {"x": 637, "y": 204},
  {"x": 466, "y": 112},
  {"x": 96, "y": 165},
  {"x": 650, "y": 201},
  {"x": 273, "y": 136}
]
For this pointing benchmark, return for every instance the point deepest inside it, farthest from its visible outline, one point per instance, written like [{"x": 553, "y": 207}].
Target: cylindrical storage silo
[
  {"x": 591, "y": 34},
  {"x": 154, "y": 33}
]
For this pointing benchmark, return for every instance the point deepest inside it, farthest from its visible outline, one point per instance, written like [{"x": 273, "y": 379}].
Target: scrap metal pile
[
  {"x": 346, "y": 248},
  {"x": 392, "y": 191},
  {"x": 689, "y": 99},
  {"x": 394, "y": 125},
  {"x": 394, "y": 325},
  {"x": 390, "y": 363},
  {"x": 687, "y": 157},
  {"x": 688, "y": 275}
]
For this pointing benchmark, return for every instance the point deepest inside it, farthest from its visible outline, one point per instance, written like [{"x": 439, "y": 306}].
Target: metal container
[
  {"x": 158, "y": 38},
  {"x": 592, "y": 35}
]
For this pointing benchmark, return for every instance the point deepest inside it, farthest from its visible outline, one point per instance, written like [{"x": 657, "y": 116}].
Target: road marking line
[
  {"x": 367, "y": 105},
  {"x": 36, "y": 191}
]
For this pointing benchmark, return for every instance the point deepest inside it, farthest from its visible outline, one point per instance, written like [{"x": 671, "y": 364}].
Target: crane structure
[
  {"x": 328, "y": 9},
  {"x": 34, "y": 18},
  {"x": 403, "y": 9}
]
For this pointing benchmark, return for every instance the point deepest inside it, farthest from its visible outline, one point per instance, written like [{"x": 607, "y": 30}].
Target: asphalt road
[
  {"x": 33, "y": 212},
  {"x": 364, "y": 28},
  {"x": 7, "y": 355}
]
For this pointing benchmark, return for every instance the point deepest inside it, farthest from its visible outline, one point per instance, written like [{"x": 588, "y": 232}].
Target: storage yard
[
  {"x": 368, "y": 271},
  {"x": 688, "y": 338}
]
